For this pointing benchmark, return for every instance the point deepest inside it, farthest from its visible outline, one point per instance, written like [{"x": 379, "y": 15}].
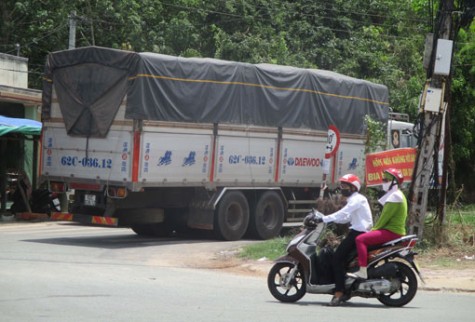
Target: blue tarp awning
[{"x": 20, "y": 126}]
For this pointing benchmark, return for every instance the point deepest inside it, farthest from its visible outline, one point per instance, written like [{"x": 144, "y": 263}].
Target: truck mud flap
[{"x": 85, "y": 219}]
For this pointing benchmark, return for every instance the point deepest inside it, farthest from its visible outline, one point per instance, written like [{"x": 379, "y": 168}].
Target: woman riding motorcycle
[{"x": 390, "y": 225}]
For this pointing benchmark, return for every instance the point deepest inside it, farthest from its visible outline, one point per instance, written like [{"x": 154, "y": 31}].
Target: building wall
[
  {"x": 18, "y": 101},
  {"x": 14, "y": 71}
]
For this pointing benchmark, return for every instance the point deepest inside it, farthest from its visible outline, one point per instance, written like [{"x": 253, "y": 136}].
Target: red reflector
[
  {"x": 85, "y": 186},
  {"x": 108, "y": 221},
  {"x": 117, "y": 192},
  {"x": 121, "y": 192},
  {"x": 61, "y": 217},
  {"x": 57, "y": 186}
]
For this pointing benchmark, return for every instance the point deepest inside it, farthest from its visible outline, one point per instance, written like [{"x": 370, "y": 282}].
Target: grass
[
  {"x": 269, "y": 249},
  {"x": 464, "y": 216},
  {"x": 455, "y": 246}
]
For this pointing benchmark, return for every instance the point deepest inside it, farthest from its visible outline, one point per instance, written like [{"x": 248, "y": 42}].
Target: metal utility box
[
  {"x": 443, "y": 57},
  {"x": 433, "y": 98}
]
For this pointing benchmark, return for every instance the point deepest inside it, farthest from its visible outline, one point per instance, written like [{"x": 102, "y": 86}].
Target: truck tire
[
  {"x": 267, "y": 217},
  {"x": 231, "y": 217}
]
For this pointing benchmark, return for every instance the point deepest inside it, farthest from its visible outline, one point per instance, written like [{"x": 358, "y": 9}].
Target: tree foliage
[
  {"x": 463, "y": 109},
  {"x": 377, "y": 40}
]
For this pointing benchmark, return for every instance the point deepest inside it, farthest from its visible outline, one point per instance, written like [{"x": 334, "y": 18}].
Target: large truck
[{"x": 154, "y": 142}]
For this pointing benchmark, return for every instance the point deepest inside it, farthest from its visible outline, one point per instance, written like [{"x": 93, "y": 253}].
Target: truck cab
[{"x": 400, "y": 132}]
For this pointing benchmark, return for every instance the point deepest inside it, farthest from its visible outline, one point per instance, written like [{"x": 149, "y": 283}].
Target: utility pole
[
  {"x": 72, "y": 30},
  {"x": 433, "y": 107}
]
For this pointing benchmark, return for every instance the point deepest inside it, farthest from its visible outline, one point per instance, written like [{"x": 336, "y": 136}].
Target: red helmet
[
  {"x": 352, "y": 180},
  {"x": 396, "y": 174}
]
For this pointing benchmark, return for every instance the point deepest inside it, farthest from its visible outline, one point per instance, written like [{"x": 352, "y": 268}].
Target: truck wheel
[
  {"x": 231, "y": 217},
  {"x": 268, "y": 216}
]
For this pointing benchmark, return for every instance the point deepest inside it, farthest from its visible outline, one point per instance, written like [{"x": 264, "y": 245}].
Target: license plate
[{"x": 90, "y": 200}]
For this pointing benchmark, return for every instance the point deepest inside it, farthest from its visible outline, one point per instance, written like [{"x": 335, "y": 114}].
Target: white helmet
[{"x": 351, "y": 179}]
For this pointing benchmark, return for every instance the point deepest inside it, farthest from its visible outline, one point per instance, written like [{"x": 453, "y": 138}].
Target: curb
[
  {"x": 24, "y": 216},
  {"x": 31, "y": 216}
]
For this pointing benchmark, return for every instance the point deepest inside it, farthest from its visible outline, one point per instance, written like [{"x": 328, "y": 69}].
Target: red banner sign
[{"x": 376, "y": 163}]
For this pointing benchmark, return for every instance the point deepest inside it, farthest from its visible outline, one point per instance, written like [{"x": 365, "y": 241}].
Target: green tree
[{"x": 463, "y": 108}]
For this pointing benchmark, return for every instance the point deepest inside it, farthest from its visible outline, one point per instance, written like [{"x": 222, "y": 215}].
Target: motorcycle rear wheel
[
  {"x": 295, "y": 288},
  {"x": 407, "y": 280}
]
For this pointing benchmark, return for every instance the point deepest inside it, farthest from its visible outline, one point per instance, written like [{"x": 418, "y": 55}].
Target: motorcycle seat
[{"x": 403, "y": 239}]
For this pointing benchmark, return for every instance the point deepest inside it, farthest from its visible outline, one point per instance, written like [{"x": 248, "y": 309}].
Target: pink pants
[{"x": 371, "y": 238}]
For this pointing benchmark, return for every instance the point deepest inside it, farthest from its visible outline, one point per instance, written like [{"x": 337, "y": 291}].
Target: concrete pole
[
  {"x": 72, "y": 30},
  {"x": 429, "y": 147}
]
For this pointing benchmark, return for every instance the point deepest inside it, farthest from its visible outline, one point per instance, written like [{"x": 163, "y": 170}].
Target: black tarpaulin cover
[{"x": 90, "y": 83}]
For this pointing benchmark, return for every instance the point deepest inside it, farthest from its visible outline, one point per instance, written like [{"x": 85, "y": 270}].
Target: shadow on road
[
  {"x": 110, "y": 238},
  {"x": 358, "y": 303}
]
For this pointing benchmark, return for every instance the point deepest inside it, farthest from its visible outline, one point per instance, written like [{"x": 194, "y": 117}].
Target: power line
[
  {"x": 53, "y": 31},
  {"x": 359, "y": 13},
  {"x": 310, "y": 15},
  {"x": 240, "y": 17}
]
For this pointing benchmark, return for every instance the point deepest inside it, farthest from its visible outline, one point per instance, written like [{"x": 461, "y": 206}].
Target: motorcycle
[
  {"x": 306, "y": 268},
  {"x": 41, "y": 201},
  {"x": 45, "y": 201}
]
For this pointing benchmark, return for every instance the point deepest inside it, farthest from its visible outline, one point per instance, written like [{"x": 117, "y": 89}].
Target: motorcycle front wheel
[
  {"x": 284, "y": 287},
  {"x": 405, "y": 283}
]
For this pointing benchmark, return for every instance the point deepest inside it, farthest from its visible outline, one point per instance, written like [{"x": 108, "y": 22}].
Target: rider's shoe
[
  {"x": 361, "y": 274},
  {"x": 336, "y": 301},
  {"x": 345, "y": 297}
]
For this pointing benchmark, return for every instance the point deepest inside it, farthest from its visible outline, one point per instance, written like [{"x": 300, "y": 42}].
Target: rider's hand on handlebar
[{"x": 312, "y": 219}]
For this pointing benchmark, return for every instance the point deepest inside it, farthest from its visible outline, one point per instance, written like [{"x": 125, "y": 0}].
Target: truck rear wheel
[
  {"x": 268, "y": 216},
  {"x": 231, "y": 217}
]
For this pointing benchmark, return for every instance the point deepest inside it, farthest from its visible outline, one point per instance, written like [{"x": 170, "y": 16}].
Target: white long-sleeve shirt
[{"x": 356, "y": 212}]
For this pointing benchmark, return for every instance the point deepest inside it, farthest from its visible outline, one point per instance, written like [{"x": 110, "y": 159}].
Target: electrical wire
[
  {"x": 303, "y": 14},
  {"x": 320, "y": 8},
  {"x": 414, "y": 32},
  {"x": 53, "y": 31}
]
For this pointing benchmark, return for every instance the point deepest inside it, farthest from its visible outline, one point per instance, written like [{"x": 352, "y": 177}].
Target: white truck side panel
[
  {"x": 97, "y": 158},
  {"x": 168, "y": 158},
  {"x": 350, "y": 158},
  {"x": 182, "y": 156},
  {"x": 245, "y": 158},
  {"x": 301, "y": 159}
]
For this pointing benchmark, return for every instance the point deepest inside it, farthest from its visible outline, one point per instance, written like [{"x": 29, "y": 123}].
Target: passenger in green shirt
[{"x": 390, "y": 225}]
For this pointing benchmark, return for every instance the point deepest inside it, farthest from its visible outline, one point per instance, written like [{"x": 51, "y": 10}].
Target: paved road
[{"x": 64, "y": 272}]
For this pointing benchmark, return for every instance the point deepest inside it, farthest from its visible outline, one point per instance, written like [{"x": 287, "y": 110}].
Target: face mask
[
  {"x": 346, "y": 192},
  {"x": 386, "y": 186}
]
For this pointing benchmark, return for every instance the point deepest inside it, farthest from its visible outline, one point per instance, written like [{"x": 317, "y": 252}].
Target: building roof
[{"x": 23, "y": 96}]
